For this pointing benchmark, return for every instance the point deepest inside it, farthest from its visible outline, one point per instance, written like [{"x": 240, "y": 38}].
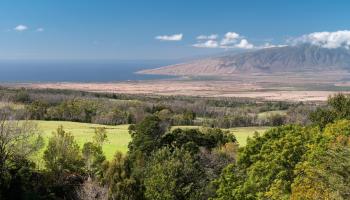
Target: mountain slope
[{"x": 272, "y": 60}]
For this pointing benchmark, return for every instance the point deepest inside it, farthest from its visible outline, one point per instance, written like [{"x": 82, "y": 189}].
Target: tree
[
  {"x": 93, "y": 154},
  {"x": 120, "y": 181},
  {"x": 37, "y": 110},
  {"x": 325, "y": 173},
  {"x": 146, "y": 135},
  {"x": 100, "y": 136},
  {"x": 62, "y": 153},
  {"x": 22, "y": 96},
  {"x": 18, "y": 140},
  {"x": 265, "y": 167},
  {"x": 276, "y": 119},
  {"x": 193, "y": 139},
  {"x": 172, "y": 174},
  {"x": 338, "y": 107}
]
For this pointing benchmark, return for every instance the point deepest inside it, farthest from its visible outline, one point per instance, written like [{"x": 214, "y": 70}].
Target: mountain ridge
[{"x": 270, "y": 60}]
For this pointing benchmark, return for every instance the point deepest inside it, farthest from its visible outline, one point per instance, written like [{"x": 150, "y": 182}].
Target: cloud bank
[
  {"x": 326, "y": 39},
  {"x": 175, "y": 37},
  {"x": 233, "y": 40},
  {"x": 229, "y": 40}
]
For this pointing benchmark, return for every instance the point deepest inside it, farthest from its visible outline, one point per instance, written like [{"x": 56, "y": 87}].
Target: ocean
[{"x": 77, "y": 71}]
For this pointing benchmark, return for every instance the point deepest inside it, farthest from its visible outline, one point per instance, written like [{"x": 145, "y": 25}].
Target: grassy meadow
[{"x": 118, "y": 136}]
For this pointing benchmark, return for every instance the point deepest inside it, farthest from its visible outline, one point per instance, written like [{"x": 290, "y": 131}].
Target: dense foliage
[
  {"x": 294, "y": 162},
  {"x": 300, "y": 160}
]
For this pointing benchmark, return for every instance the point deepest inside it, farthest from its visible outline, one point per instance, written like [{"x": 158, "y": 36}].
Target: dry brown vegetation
[{"x": 283, "y": 86}]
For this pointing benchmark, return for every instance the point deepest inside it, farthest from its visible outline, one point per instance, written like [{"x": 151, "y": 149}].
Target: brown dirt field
[{"x": 228, "y": 88}]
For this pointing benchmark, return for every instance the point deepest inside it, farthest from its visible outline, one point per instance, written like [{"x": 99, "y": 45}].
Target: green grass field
[
  {"x": 242, "y": 133},
  {"x": 118, "y": 136}
]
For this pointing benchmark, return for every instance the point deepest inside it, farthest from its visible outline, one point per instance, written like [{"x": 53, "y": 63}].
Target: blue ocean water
[{"x": 77, "y": 71}]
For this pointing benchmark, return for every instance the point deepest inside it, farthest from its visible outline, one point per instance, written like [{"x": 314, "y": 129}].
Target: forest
[{"x": 304, "y": 155}]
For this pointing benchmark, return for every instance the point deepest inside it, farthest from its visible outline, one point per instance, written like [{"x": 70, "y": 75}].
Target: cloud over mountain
[{"x": 326, "y": 39}]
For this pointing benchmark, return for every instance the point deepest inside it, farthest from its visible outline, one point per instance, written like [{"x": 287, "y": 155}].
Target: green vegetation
[
  {"x": 113, "y": 109},
  {"x": 204, "y": 155},
  {"x": 118, "y": 136},
  {"x": 11, "y": 105},
  {"x": 265, "y": 115},
  {"x": 295, "y": 162},
  {"x": 241, "y": 133}
]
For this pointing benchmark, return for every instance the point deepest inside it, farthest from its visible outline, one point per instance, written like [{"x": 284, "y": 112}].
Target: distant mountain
[{"x": 270, "y": 60}]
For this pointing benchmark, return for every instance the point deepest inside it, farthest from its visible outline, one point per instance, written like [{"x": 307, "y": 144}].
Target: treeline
[{"x": 113, "y": 109}]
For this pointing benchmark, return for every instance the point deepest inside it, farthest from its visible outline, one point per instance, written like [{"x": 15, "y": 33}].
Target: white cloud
[
  {"x": 230, "y": 38},
  {"x": 21, "y": 28},
  {"x": 207, "y": 37},
  {"x": 207, "y": 44},
  {"x": 40, "y": 29},
  {"x": 268, "y": 45},
  {"x": 326, "y": 39},
  {"x": 244, "y": 44},
  {"x": 175, "y": 37}
]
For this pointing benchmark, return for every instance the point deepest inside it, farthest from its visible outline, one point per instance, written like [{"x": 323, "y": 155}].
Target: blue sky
[{"x": 158, "y": 29}]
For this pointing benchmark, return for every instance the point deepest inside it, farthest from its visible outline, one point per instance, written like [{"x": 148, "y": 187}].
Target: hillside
[{"x": 271, "y": 60}]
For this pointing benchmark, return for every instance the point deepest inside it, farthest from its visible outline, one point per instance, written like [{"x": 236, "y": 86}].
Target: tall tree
[{"x": 62, "y": 153}]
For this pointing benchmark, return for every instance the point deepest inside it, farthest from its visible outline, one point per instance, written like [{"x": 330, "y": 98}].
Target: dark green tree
[
  {"x": 146, "y": 136},
  {"x": 172, "y": 174},
  {"x": 120, "y": 181}
]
